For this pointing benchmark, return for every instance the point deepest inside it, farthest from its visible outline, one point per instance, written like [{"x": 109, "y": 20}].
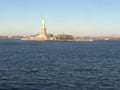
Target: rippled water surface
[{"x": 32, "y": 65}]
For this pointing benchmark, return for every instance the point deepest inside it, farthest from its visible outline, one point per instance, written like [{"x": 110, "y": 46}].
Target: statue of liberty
[{"x": 43, "y": 23}]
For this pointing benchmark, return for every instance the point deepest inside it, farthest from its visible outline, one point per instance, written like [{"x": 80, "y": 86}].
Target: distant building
[{"x": 64, "y": 37}]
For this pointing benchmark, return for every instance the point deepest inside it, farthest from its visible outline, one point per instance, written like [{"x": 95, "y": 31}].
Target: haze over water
[{"x": 32, "y": 65}]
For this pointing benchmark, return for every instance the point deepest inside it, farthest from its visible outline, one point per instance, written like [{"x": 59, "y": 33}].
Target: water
[{"x": 32, "y": 65}]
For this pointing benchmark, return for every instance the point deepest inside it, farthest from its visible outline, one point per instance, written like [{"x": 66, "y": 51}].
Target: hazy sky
[{"x": 77, "y": 17}]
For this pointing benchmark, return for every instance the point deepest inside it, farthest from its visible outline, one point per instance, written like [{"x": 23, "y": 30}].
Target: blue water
[{"x": 32, "y": 65}]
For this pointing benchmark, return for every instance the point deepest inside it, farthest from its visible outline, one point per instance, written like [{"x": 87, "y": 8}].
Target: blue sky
[{"x": 76, "y": 17}]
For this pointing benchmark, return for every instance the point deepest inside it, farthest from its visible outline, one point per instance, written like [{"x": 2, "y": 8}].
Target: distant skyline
[{"x": 76, "y": 17}]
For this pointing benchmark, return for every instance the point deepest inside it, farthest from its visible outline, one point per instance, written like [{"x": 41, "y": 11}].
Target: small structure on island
[{"x": 42, "y": 35}]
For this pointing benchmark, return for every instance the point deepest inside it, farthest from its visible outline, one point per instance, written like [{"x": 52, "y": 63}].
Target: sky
[{"x": 76, "y": 17}]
